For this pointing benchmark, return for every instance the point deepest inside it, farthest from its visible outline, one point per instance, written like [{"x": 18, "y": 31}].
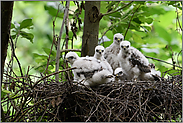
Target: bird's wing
[
  {"x": 86, "y": 67},
  {"x": 137, "y": 58}
]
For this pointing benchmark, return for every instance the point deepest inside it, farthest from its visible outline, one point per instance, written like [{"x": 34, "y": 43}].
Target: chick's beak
[
  {"x": 124, "y": 47},
  {"x": 117, "y": 75},
  {"x": 66, "y": 60},
  {"x": 100, "y": 51}
]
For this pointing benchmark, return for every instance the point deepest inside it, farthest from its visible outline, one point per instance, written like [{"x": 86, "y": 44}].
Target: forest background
[{"x": 153, "y": 27}]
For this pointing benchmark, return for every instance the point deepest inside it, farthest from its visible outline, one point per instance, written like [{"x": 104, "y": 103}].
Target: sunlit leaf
[
  {"x": 26, "y": 23},
  {"x": 28, "y": 36},
  {"x": 162, "y": 32}
]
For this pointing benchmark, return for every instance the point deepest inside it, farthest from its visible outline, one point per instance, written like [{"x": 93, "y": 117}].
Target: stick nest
[{"x": 141, "y": 101}]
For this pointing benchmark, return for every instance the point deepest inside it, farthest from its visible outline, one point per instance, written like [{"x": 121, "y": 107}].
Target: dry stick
[
  {"x": 52, "y": 74},
  {"x": 73, "y": 50},
  {"x": 162, "y": 61},
  {"x": 16, "y": 56},
  {"x": 131, "y": 20},
  {"x": 53, "y": 40},
  {"x": 117, "y": 9},
  {"x": 100, "y": 101},
  {"x": 59, "y": 38},
  {"x": 34, "y": 86},
  {"x": 33, "y": 106}
]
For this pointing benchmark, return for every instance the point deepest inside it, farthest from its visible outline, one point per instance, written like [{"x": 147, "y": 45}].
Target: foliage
[
  {"x": 145, "y": 24},
  {"x": 153, "y": 27}
]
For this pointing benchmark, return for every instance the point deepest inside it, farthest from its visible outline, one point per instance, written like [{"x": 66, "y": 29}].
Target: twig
[
  {"x": 51, "y": 75},
  {"x": 178, "y": 18},
  {"x": 59, "y": 38},
  {"x": 16, "y": 56},
  {"x": 73, "y": 50},
  {"x": 33, "y": 106},
  {"x": 131, "y": 20},
  {"x": 163, "y": 61},
  {"x": 53, "y": 40},
  {"x": 117, "y": 9}
]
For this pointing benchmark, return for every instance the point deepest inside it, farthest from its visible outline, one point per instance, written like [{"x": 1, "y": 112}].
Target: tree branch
[
  {"x": 117, "y": 9},
  {"x": 59, "y": 38},
  {"x": 131, "y": 20},
  {"x": 13, "y": 50},
  {"x": 163, "y": 61},
  {"x": 53, "y": 41},
  {"x": 67, "y": 50}
]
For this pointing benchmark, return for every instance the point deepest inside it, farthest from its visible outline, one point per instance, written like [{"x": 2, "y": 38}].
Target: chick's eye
[
  {"x": 121, "y": 39},
  {"x": 97, "y": 50},
  {"x": 71, "y": 57},
  {"x": 127, "y": 46},
  {"x": 102, "y": 50},
  {"x": 116, "y": 38},
  {"x": 120, "y": 72},
  {"x": 121, "y": 46}
]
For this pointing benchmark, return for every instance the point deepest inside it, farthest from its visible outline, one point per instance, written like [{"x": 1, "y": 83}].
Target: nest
[{"x": 140, "y": 101}]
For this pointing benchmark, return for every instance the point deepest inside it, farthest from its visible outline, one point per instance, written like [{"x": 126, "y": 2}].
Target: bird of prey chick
[
  {"x": 111, "y": 52},
  {"x": 132, "y": 61},
  {"x": 99, "y": 55},
  {"x": 89, "y": 71}
]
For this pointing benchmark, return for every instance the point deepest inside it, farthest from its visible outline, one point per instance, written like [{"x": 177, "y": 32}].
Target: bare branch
[
  {"x": 117, "y": 9},
  {"x": 59, "y": 38},
  {"x": 131, "y": 20},
  {"x": 163, "y": 61}
]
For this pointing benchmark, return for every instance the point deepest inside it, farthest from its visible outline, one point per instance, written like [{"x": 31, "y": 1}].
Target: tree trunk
[
  {"x": 6, "y": 15},
  {"x": 91, "y": 28}
]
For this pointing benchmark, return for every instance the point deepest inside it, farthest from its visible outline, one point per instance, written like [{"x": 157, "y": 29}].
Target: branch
[
  {"x": 51, "y": 75},
  {"x": 117, "y": 9},
  {"x": 35, "y": 105},
  {"x": 178, "y": 17},
  {"x": 131, "y": 20},
  {"x": 16, "y": 56},
  {"x": 67, "y": 50},
  {"x": 52, "y": 42},
  {"x": 59, "y": 38},
  {"x": 163, "y": 61}
]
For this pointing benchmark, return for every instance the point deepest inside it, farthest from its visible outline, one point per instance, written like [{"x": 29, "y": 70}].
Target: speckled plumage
[
  {"x": 133, "y": 62},
  {"x": 120, "y": 75},
  {"x": 99, "y": 55},
  {"x": 111, "y": 52},
  {"x": 89, "y": 70}
]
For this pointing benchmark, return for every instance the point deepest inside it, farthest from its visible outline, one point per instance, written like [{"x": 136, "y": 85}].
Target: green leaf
[
  {"x": 137, "y": 20},
  {"x": 7, "y": 92},
  {"x": 26, "y": 35},
  {"x": 2, "y": 94},
  {"x": 116, "y": 14},
  {"x": 35, "y": 55},
  {"x": 52, "y": 8},
  {"x": 12, "y": 26},
  {"x": 139, "y": 2},
  {"x": 26, "y": 23},
  {"x": 47, "y": 51},
  {"x": 162, "y": 32},
  {"x": 149, "y": 20}
]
